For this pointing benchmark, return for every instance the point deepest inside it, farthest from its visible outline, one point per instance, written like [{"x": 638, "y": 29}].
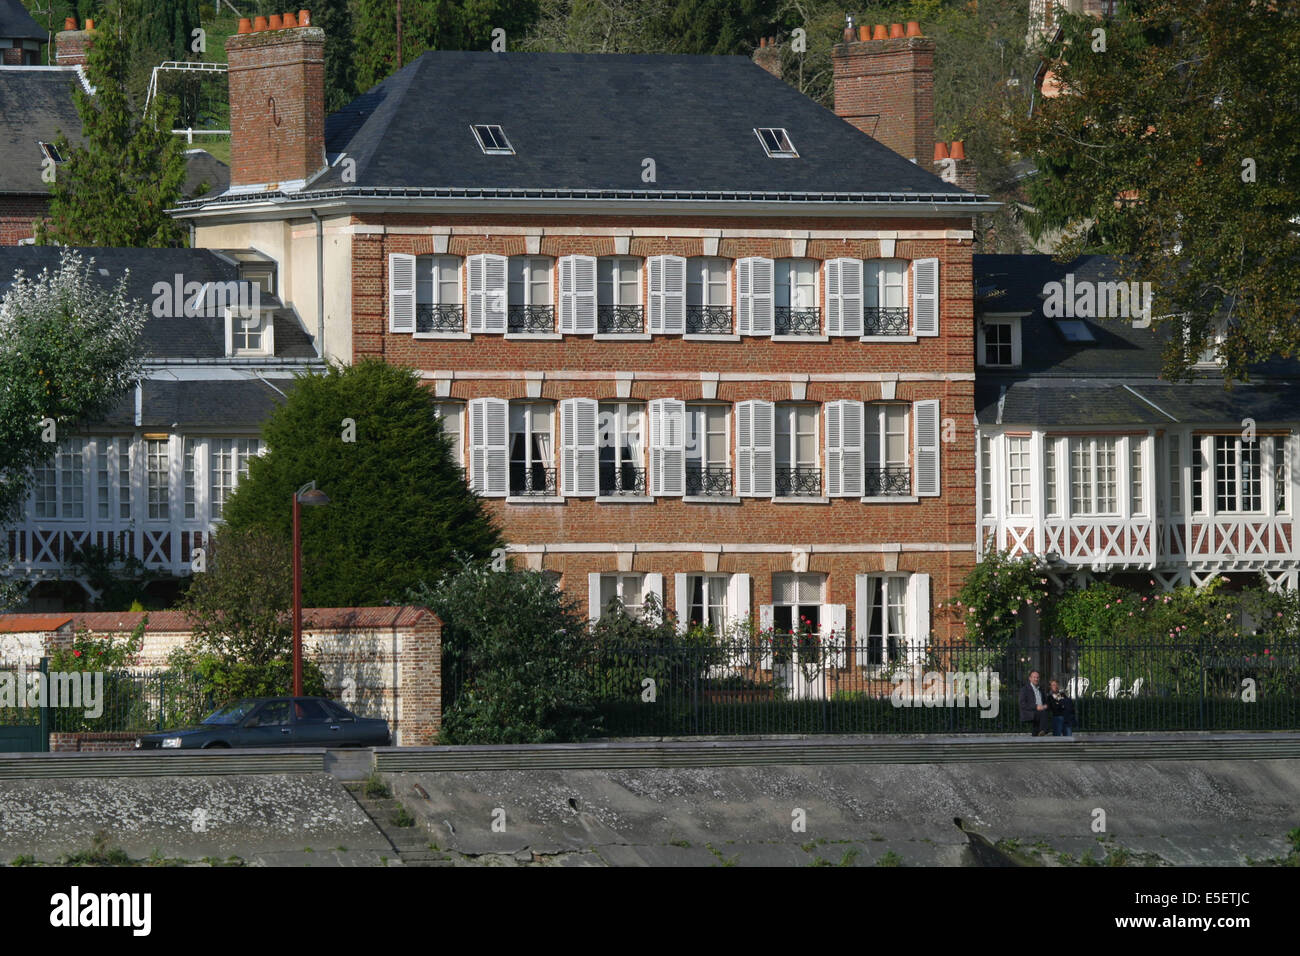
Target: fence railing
[
  {"x": 123, "y": 701},
  {"x": 798, "y": 685}
]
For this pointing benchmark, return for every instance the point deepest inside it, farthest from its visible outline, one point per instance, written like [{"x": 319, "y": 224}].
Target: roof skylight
[
  {"x": 1073, "y": 330},
  {"x": 776, "y": 142},
  {"x": 492, "y": 140}
]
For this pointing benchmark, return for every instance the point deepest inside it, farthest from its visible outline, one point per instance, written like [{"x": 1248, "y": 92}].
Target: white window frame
[
  {"x": 529, "y": 409},
  {"x": 530, "y": 264},
  {"x": 697, "y": 276},
  {"x": 1094, "y": 477},
  {"x": 1237, "y": 449},
  {"x": 456, "y": 412},
  {"x": 790, "y": 412},
  {"x": 1012, "y": 323},
  {"x": 1020, "y": 475},
  {"x": 242, "y": 451},
  {"x": 160, "y": 509},
  {"x": 618, "y": 267}
]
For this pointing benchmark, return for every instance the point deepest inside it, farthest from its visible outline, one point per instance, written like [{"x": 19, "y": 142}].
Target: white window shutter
[
  {"x": 833, "y": 633},
  {"x": 844, "y": 297},
  {"x": 844, "y": 449},
  {"x": 834, "y": 306},
  {"x": 755, "y": 456},
  {"x": 681, "y": 601},
  {"x": 925, "y": 296},
  {"x": 654, "y": 584},
  {"x": 861, "y": 618},
  {"x": 593, "y": 597},
  {"x": 487, "y": 293},
  {"x": 755, "y": 296},
  {"x": 925, "y": 452},
  {"x": 918, "y": 614},
  {"x": 667, "y": 293},
  {"x": 401, "y": 292},
  {"x": 766, "y": 621},
  {"x": 230, "y": 329},
  {"x": 578, "y": 436},
  {"x": 667, "y": 447},
  {"x": 578, "y": 294},
  {"x": 738, "y": 597},
  {"x": 489, "y": 425}
]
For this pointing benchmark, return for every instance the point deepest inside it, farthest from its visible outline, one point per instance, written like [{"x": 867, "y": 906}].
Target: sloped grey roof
[
  {"x": 35, "y": 105},
  {"x": 17, "y": 24},
  {"x": 588, "y": 122},
  {"x": 240, "y": 405}
]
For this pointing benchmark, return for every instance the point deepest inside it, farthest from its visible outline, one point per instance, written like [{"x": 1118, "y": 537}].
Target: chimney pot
[
  {"x": 958, "y": 149},
  {"x": 880, "y": 32},
  {"x": 762, "y": 42},
  {"x": 275, "y": 22},
  {"x": 940, "y": 151},
  {"x": 304, "y": 18},
  {"x": 245, "y": 25},
  {"x": 289, "y": 22},
  {"x": 895, "y": 31},
  {"x": 90, "y": 24},
  {"x": 914, "y": 29},
  {"x": 259, "y": 24},
  {"x": 864, "y": 33},
  {"x": 70, "y": 23}
]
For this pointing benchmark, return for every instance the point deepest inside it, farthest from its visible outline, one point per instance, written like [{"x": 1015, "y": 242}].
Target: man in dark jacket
[
  {"x": 1062, "y": 707},
  {"x": 1033, "y": 708}
]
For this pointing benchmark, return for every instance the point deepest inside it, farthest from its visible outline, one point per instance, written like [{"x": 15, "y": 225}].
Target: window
[
  {"x": 1092, "y": 476},
  {"x": 884, "y": 639},
  {"x": 796, "y": 283},
  {"x": 530, "y": 281},
  {"x": 250, "y": 334},
  {"x": 887, "y": 468},
  {"x": 1174, "y": 445},
  {"x": 706, "y": 282},
  {"x": 1049, "y": 476},
  {"x": 618, "y": 282},
  {"x": 1237, "y": 485},
  {"x": 227, "y": 462},
  {"x": 708, "y": 469},
  {"x": 492, "y": 140},
  {"x": 104, "y": 467},
  {"x": 52, "y": 153},
  {"x": 999, "y": 343},
  {"x": 885, "y": 283},
  {"x": 797, "y": 473},
  {"x": 707, "y": 601},
  {"x": 986, "y": 476},
  {"x": 628, "y": 589},
  {"x": 1018, "y": 472},
  {"x": 71, "y": 473},
  {"x": 438, "y": 304},
  {"x": 1198, "y": 475},
  {"x": 191, "y": 489},
  {"x": 46, "y": 482},
  {"x": 1279, "y": 474},
  {"x": 532, "y": 469},
  {"x": 797, "y": 601},
  {"x": 621, "y": 442},
  {"x": 1075, "y": 331},
  {"x": 157, "y": 472},
  {"x": 451, "y": 418},
  {"x": 1137, "y": 494},
  {"x": 776, "y": 142}
]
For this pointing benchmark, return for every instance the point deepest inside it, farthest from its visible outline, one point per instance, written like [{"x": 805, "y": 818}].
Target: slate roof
[
  {"x": 586, "y": 122},
  {"x": 225, "y": 404},
  {"x": 202, "y": 167},
  {"x": 167, "y": 338},
  {"x": 17, "y": 24},
  {"x": 35, "y": 104},
  {"x": 1115, "y": 381}
]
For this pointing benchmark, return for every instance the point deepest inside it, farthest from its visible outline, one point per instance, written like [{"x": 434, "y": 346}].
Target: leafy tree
[
  {"x": 120, "y": 580},
  {"x": 68, "y": 349},
  {"x": 399, "y": 507},
  {"x": 604, "y": 26},
  {"x": 514, "y": 652},
  {"x": 115, "y": 190},
  {"x": 1175, "y": 144},
  {"x": 999, "y": 593},
  {"x": 333, "y": 17}
]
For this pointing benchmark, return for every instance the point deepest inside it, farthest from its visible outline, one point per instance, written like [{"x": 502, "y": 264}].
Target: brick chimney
[
  {"x": 884, "y": 85},
  {"x": 71, "y": 45},
  {"x": 277, "y": 101},
  {"x": 951, "y": 165},
  {"x": 768, "y": 56}
]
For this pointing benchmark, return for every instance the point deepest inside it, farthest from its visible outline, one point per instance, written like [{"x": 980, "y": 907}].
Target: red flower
[{"x": 76, "y": 653}]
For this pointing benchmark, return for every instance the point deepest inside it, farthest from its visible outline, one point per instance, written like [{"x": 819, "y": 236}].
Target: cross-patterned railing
[
  {"x": 530, "y": 318},
  {"x": 798, "y": 482},
  {"x": 620, "y": 319},
  {"x": 888, "y": 481},
  {"x": 882, "y": 321},
  {"x": 708, "y": 481},
  {"x": 534, "y": 480},
  {"x": 796, "y": 321},
  {"x": 622, "y": 480},
  {"x": 439, "y": 318},
  {"x": 708, "y": 319}
]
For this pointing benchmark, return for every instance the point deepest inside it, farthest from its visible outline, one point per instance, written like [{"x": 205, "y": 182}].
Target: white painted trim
[
  {"x": 888, "y": 338},
  {"x": 572, "y": 547},
  {"x": 582, "y": 375}
]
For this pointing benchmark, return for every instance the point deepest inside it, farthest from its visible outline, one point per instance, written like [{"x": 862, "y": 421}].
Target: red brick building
[{"x": 694, "y": 335}]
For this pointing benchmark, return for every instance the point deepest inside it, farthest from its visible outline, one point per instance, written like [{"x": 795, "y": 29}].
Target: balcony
[
  {"x": 797, "y": 321},
  {"x": 798, "y": 482},
  {"x": 622, "y": 480},
  {"x": 620, "y": 319},
  {"x": 711, "y": 481},
  {"x": 530, "y": 319},
  {"x": 534, "y": 480},
  {"x": 886, "y": 482},
  {"x": 708, "y": 319},
  {"x": 434, "y": 319},
  {"x": 881, "y": 321}
]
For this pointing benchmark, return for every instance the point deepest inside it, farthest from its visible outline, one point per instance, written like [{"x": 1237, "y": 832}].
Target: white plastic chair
[
  {"x": 1137, "y": 687},
  {"x": 1077, "y": 687},
  {"x": 1112, "y": 688}
]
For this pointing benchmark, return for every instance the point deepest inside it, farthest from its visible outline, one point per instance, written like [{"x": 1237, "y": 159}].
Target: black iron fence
[
  {"x": 807, "y": 685},
  {"x": 103, "y": 701}
]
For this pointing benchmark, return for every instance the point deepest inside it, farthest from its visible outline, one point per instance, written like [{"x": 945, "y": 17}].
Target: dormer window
[
  {"x": 249, "y": 333},
  {"x": 776, "y": 142},
  {"x": 999, "y": 342},
  {"x": 492, "y": 140},
  {"x": 52, "y": 153}
]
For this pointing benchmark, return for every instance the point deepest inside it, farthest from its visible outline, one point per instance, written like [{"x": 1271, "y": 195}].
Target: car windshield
[{"x": 231, "y": 713}]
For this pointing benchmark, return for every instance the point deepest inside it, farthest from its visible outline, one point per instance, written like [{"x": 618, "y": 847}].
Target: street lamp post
[{"x": 308, "y": 495}]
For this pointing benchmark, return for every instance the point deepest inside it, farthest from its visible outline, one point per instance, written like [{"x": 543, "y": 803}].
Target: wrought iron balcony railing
[
  {"x": 622, "y": 480},
  {"x": 532, "y": 480},
  {"x": 616, "y": 319},
  {"x": 708, "y": 319},
  {"x": 707, "y": 481},
  {"x": 530, "y": 318},
  {"x": 798, "y": 482},
  {"x": 881, "y": 321},
  {"x": 439, "y": 318},
  {"x": 882, "y": 482},
  {"x": 797, "y": 321}
]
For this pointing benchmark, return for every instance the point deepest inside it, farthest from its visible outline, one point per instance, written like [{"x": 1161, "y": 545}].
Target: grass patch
[
  {"x": 849, "y": 857},
  {"x": 23, "y": 859},
  {"x": 684, "y": 844},
  {"x": 99, "y": 854},
  {"x": 722, "y": 860},
  {"x": 375, "y": 787},
  {"x": 402, "y": 817},
  {"x": 890, "y": 859}
]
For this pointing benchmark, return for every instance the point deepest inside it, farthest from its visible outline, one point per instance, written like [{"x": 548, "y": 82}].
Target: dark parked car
[{"x": 275, "y": 722}]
